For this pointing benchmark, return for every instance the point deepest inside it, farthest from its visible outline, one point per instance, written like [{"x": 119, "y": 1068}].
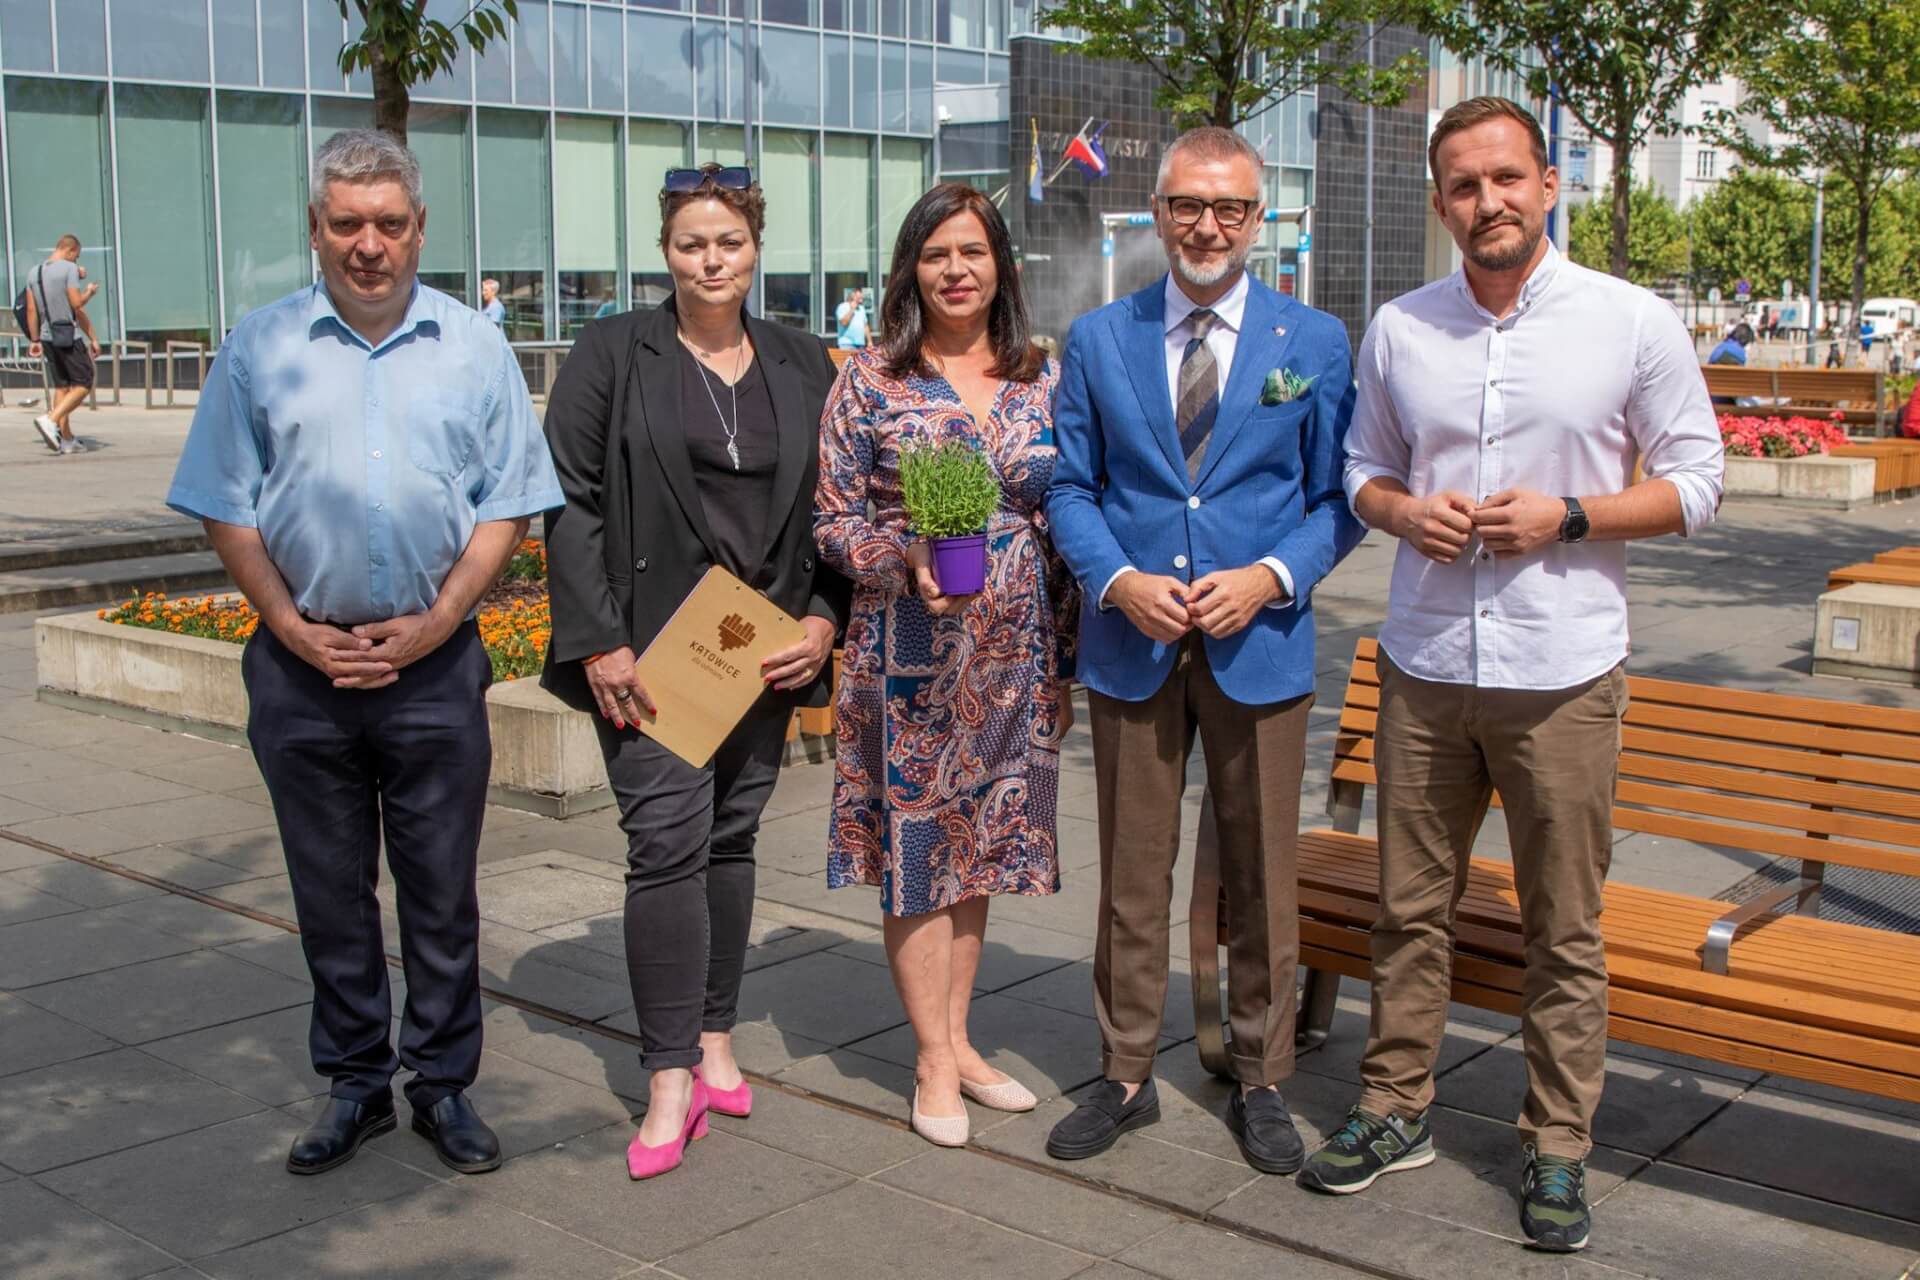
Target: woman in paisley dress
[{"x": 951, "y": 708}]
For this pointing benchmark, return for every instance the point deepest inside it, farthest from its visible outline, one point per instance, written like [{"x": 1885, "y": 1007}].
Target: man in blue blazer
[{"x": 1197, "y": 498}]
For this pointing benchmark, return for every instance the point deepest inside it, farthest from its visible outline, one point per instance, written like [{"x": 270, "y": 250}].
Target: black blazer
[{"x": 633, "y": 539}]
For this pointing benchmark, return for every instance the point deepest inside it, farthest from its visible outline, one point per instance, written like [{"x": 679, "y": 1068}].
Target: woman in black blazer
[{"x": 687, "y": 437}]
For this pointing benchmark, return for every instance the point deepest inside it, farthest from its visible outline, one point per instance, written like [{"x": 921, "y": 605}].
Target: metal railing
[
  {"x": 542, "y": 359},
  {"x": 174, "y": 347}
]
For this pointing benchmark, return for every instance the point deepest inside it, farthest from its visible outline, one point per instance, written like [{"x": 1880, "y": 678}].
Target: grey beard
[
  {"x": 1207, "y": 277},
  {"x": 1507, "y": 259}
]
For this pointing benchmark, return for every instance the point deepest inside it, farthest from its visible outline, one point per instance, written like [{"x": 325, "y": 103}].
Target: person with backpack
[{"x": 52, "y": 313}]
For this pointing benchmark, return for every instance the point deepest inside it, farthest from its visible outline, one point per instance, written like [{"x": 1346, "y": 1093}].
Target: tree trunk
[
  {"x": 390, "y": 100},
  {"x": 1862, "y": 211},
  {"x": 1622, "y": 204}
]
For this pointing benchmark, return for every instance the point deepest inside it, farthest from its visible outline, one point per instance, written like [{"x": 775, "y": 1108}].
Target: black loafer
[
  {"x": 1264, "y": 1129},
  {"x": 459, "y": 1136},
  {"x": 1097, "y": 1123},
  {"x": 337, "y": 1134}
]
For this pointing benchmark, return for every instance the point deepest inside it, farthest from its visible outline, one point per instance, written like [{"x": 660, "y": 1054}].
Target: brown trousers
[
  {"x": 1554, "y": 756},
  {"x": 1255, "y": 756}
]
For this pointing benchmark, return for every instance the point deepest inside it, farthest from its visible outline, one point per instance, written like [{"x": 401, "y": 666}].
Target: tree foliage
[
  {"x": 1225, "y": 62},
  {"x": 1757, "y": 225},
  {"x": 1835, "y": 87},
  {"x": 399, "y": 46},
  {"x": 1621, "y": 67},
  {"x": 1656, "y": 243}
]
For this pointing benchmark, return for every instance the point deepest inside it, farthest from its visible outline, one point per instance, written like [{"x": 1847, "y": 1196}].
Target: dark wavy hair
[{"x": 903, "y": 314}]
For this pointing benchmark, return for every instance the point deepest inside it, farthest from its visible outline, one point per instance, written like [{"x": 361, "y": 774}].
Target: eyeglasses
[
  {"x": 1227, "y": 211},
  {"x": 732, "y": 177}
]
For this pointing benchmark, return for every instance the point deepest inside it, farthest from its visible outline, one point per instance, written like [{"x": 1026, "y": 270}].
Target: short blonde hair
[{"x": 1478, "y": 111}]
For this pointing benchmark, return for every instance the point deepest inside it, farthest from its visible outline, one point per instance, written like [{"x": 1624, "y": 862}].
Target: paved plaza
[{"x": 153, "y": 1014}]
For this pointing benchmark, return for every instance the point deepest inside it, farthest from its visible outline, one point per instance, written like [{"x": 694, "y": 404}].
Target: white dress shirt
[
  {"x": 1584, "y": 375},
  {"x": 1221, "y": 341}
]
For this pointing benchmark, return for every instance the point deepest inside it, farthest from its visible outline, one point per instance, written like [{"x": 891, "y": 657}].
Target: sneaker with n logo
[
  {"x": 1553, "y": 1203},
  {"x": 1365, "y": 1147}
]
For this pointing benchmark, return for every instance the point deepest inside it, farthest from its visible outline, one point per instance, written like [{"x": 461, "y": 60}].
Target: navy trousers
[{"x": 346, "y": 767}]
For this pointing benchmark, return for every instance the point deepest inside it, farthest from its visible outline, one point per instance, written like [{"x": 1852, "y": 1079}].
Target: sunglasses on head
[{"x": 733, "y": 177}]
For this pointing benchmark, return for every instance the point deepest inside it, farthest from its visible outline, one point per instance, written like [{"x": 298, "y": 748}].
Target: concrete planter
[
  {"x": 545, "y": 756},
  {"x": 1867, "y": 631},
  {"x": 1839, "y": 484}
]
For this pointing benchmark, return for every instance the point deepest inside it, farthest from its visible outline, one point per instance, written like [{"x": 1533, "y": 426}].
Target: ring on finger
[{"x": 625, "y": 695}]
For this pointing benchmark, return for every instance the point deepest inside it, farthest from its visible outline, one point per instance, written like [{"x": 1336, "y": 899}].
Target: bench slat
[{"x": 1760, "y": 814}]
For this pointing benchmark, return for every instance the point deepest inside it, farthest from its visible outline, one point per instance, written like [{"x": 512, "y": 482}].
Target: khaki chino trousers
[
  {"x": 1441, "y": 750},
  {"x": 1255, "y": 756}
]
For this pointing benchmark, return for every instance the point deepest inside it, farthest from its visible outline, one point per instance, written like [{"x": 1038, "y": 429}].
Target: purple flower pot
[{"x": 960, "y": 564}]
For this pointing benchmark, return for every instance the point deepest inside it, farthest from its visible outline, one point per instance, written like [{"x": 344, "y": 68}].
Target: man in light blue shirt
[
  {"x": 365, "y": 460},
  {"x": 490, "y": 305},
  {"x": 850, "y": 320}
]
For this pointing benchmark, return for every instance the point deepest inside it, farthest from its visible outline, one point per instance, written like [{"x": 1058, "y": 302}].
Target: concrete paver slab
[
  {"x": 823, "y": 997},
  {"x": 1675, "y": 1222},
  {"x": 586, "y": 1057},
  {"x": 228, "y": 769},
  {"x": 147, "y": 746},
  {"x": 1053, "y": 1209},
  {"x": 78, "y": 882},
  {"x": 67, "y": 946},
  {"x": 30, "y": 1037},
  {"x": 175, "y": 866},
  {"x": 1069, "y": 988},
  {"x": 108, "y": 1102},
  {"x": 1188, "y": 1249},
  {"x": 257, "y": 850},
  {"x": 163, "y": 997},
  {"x": 20, "y": 901},
  {"x": 1048, "y": 1051},
  {"x": 14, "y": 855},
  {"x": 112, "y": 790},
  {"x": 822, "y": 1133},
  {"x": 43, "y": 1237},
  {"x": 442, "y": 1233},
  {"x": 1847, "y": 1154},
  {"x": 223, "y": 1186},
  {"x": 900, "y": 1237},
  {"x": 1011, "y": 953},
  {"x": 81, "y": 834},
  {"x": 17, "y": 811},
  {"x": 1339, "y": 1057},
  {"x": 858, "y": 1081},
  {"x": 541, "y": 897},
  {"x": 265, "y": 1057},
  {"x": 280, "y": 952},
  {"x": 176, "y": 821},
  {"x": 196, "y": 921},
  {"x": 723, "y": 1184}
]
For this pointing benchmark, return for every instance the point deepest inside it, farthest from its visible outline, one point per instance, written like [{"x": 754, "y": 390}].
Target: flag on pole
[
  {"x": 1035, "y": 191},
  {"x": 1085, "y": 150}
]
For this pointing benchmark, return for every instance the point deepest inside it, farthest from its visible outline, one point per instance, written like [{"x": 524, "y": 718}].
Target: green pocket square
[{"x": 1284, "y": 386}]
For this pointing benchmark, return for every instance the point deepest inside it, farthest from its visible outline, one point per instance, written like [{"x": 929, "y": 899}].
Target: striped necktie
[{"x": 1199, "y": 399}]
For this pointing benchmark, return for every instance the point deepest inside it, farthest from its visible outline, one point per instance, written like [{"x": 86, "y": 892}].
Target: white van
[{"x": 1886, "y": 317}]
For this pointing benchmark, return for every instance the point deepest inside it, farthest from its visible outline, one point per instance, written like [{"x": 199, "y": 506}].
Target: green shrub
[{"x": 949, "y": 488}]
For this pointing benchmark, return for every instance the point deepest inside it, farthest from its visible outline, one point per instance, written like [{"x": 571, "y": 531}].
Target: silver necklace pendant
[{"x": 733, "y": 451}]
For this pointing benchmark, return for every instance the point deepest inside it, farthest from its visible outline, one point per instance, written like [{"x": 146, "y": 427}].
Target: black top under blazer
[{"x": 633, "y": 539}]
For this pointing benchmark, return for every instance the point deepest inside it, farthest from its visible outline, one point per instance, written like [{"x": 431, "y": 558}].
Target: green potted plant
[{"x": 951, "y": 492}]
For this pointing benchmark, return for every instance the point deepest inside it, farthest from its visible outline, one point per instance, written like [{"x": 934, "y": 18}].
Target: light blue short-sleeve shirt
[{"x": 365, "y": 468}]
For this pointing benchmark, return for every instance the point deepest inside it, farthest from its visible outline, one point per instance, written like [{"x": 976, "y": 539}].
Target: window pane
[
  {"x": 608, "y": 78},
  {"x": 791, "y": 63},
  {"x": 833, "y": 14},
  {"x": 996, "y": 69},
  {"x": 721, "y": 144},
  {"x": 60, "y": 126},
  {"x": 515, "y": 213},
  {"x": 920, "y": 100},
  {"x": 569, "y": 56},
  {"x": 736, "y": 73},
  {"x": 866, "y": 84},
  {"x": 361, "y": 80},
  {"x": 653, "y": 148},
  {"x": 586, "y": 224},
  {"x": 893, "y": 17},
  {"x": 903, "y": 177},
  {"x": 710, "y": 68},
  {"x": 860, "y": 15},
  {"x": 530, "y": 86},
  {"x": 283, "y": 55},
  {"x": 83, "y": 37},
  {"x": 164, "y": 42},
  {"x": 660, "y": 70},
  {"x": 797, "y": 13},
  {"x": 846, "y": 214},
  {"x": 786, "y": 258},
  {"x": 493, "y": 71},
  {"x": 839, "y": 86},
  {"x": 968, "y": 26},
  {"x": 326, "y": 32},
  {"x": 893, "y": 86},
  {"x": 236, "y": 57},
  {"x": 458, "y": 83},
  {"x": 920, "y": 19},
  {"x": 263, "y": 196},
  {"x": 166, "y": 256},
  {"x": 958, "y": 66},
  {"x": 439, "y": 137},
  {"x": 26, "y": 33}
]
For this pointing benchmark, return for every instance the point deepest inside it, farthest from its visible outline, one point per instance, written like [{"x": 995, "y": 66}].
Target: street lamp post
[{"x": 1813, "y": 290}]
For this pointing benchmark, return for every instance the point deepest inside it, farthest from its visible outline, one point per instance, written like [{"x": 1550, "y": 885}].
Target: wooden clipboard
[{"x": 703, "y": 669}]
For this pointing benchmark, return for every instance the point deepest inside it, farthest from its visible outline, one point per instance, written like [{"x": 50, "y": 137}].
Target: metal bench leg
[
  {"x": 1315, "y": 1021},
  {"x": 1210, "y": 1034}
]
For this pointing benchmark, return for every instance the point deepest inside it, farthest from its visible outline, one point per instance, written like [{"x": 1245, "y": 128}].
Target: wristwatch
[{"x": 1574, "y": 527}]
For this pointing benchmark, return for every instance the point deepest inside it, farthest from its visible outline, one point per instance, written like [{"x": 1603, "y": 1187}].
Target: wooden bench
[
  {"x": 1752, "y": 985},
  {"x": 1859, "y": 394},
  {"x": 1896, "y": 463},
  {"x": 1886, "y": 573}
]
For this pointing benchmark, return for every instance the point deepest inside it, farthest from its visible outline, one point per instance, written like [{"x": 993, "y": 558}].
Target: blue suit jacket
[{"x": 1269, "y": 485}]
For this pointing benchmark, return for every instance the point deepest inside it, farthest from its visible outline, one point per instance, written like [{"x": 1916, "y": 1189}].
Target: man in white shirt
[{"x": 1499, "y": 416}]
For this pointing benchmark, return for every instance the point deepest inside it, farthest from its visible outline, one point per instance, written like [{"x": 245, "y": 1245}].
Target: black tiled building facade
[{"x": 1400, "y": 209}]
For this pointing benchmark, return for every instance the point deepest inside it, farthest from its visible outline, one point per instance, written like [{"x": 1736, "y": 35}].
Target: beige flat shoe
[
  {"x": 941, "y": 1131},
  {"x": 1008, "y": 1095}
]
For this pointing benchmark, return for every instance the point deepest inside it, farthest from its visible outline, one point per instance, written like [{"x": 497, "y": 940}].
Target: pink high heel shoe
[
  {"x": 644, "y": 1161},
  {"x": 736, "y": 1102}
]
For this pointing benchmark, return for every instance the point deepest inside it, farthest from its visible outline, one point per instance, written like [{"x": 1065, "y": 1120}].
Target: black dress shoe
[
  {"x": 338, "y": 1133},
  {"x": 1097, "y": 1123},
  {"x": 1259, "y": 1119},
  {"x": 460, "y": 1137}
]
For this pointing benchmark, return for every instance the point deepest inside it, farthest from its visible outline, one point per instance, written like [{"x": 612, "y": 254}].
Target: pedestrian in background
[
  {"x": 851, "y": 320},
  {"x": 61, "y": 330},
  {"x": 365, "y": 458},
  {"x": 490, "y": 305}
]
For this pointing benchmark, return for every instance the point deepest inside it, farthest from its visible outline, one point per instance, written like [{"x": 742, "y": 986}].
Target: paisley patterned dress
[{"x": 948, "y": 767}]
